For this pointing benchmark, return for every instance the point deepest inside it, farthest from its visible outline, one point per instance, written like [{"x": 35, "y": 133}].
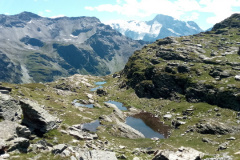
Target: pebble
[{"x": 231, "y": 138}]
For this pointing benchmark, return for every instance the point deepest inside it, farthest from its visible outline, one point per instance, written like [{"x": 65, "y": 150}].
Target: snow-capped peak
[{"x": 157, "y": 28}]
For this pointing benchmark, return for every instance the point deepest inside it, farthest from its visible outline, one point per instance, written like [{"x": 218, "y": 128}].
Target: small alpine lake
[{"x": 149, "y": 125}]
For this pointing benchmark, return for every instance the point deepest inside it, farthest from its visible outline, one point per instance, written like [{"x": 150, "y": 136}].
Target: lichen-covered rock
[
  {"x": 36, "y": 117},
  {"x": 9, "y": 108}
]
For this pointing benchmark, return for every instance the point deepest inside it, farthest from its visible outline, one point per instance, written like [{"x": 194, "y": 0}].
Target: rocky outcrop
[
  {"x": 14, "y": 136},
  {"x": 183, "y": 153},
  {"x": 231, "y": 22},
  {"x": 10, "y": 108},
  {"x": 215, "y": 127},
  {"x": 36, "y": 117},
  {"x": 198, "y": 67}
]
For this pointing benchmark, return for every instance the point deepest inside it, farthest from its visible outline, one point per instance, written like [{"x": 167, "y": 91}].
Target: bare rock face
[
  {"x": 36, "y": 117},
  {"x": 9, "y": 108},
  {"x": 182, "y": 154}
]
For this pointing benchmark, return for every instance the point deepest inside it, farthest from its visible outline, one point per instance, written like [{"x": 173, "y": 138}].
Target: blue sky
[{"x": 204, "y": 12}]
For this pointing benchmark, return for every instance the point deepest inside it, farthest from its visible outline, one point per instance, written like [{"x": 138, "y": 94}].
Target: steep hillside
[
  {"x": 199, "y": 68},
  {"x": 160, "y": 27},
  {"x": 38, "y": 49}
]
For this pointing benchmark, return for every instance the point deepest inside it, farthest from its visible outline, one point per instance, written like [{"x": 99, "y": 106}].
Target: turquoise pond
[
  {"x": 92, "y": 127},
  {"x": 76, "y": 104},
  {"x": 118, "y": 104},
  {"x": 98, "y": 86}
]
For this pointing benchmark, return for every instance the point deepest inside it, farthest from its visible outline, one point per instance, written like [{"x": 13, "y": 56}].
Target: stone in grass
[
  {"x": 237, "y": 77},
  {"x": 59, "y": 148},
  {"x": 167, "y": 116},
  {"x": 231, "y": 138}
]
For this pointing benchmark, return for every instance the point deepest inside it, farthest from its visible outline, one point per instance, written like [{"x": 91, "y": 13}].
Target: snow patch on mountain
[
  {"x": 161, "y": 26},
  {"x": 173, "y": 31}
]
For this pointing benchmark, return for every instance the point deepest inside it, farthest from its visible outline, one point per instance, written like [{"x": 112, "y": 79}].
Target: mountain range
[
  {"x": 160, "y": 27},
  {"x": 39, "y": 49}
]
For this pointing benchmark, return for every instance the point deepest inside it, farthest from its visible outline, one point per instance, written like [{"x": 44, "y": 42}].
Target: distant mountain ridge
[
  {"x": 160, "y": 27},
  {"x": 39, "y": 49}
]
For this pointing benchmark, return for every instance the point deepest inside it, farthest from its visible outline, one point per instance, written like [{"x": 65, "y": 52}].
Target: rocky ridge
[{"x": 39, "y": 49}]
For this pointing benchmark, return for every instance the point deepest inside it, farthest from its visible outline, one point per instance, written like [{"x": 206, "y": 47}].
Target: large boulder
[
  {"x": 9, "y": 108},
  {"x": 36, "y": 117},
  {"x": 182, "y": 154}
]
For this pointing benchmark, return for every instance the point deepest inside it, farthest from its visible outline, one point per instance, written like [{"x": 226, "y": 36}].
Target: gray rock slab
[{"x": 36, "y": 117}]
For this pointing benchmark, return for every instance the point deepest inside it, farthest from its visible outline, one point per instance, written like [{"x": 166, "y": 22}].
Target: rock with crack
[
  {"x": 10, "y": 108},
  {"x": 59, "y": 148},
  {"x": 82, "y": 135},
  {"x": 183, "y": 153},
  {"x": 96, "y": 155},
  {"x": 36, "y": 117}
]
